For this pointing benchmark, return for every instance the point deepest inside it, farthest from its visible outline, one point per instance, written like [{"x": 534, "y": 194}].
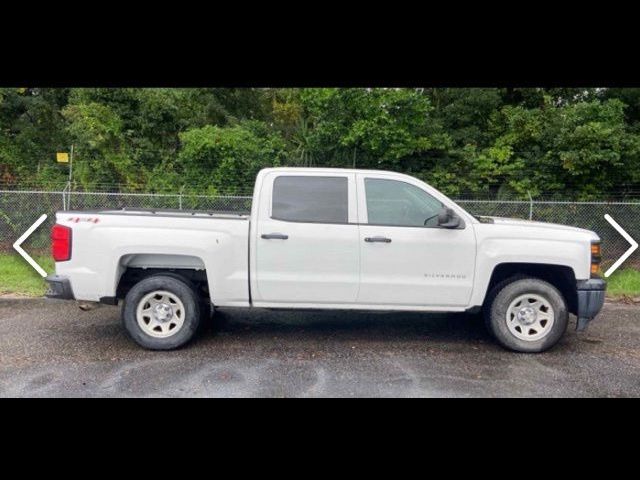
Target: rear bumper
[
  {"x": 590, "y": 300},
  {"x": 59, "y": 287}
]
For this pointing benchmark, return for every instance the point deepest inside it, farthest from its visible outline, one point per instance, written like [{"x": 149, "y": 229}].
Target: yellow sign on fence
[{"x": 62, "y": 157}]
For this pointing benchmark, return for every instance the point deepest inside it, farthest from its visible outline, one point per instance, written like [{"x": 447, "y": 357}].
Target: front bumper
[
  {"x": 590, "y": 300},
  {"x": 59, "y": 287}
]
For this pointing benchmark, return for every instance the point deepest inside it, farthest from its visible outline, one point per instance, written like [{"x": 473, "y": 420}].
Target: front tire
[
  {"x": 161, "y": 312},
  {"x": 526, "y": 315}
]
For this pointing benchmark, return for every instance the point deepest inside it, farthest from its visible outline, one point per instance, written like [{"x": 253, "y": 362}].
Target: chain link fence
[
  {"x": 587, "y": 215},
  {"x": 20, "y": 208}
]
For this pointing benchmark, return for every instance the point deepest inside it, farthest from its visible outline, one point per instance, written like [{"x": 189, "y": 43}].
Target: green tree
[
  {"x": 371, "y": 128},
  {"x": 217, "y": 159},
  {"x": 506, "y": 141},
  {"x": 579, "y": 149},
  {"x": 31, "y": 131},
  {"x": 100, "y": 151}
]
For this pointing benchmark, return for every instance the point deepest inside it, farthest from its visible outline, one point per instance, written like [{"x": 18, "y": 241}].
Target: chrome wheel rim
[
  {"x": 160, "y": 314},
  {"x": 530, "y": 317}
]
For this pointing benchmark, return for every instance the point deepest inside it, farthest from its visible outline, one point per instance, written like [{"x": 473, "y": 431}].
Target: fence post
[
  {"x": 66, "y": 196},
  {"x": 180, "y": 197},
  {"x": 530, "y": 206},
  {"x": 69, "y": 199}
]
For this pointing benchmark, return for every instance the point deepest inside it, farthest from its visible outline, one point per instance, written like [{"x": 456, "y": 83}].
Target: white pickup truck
[{"x": 329, "y": 239}]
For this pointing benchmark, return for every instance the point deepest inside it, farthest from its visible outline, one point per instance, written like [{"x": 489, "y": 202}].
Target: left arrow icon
[{"x": 24, "y": 254}]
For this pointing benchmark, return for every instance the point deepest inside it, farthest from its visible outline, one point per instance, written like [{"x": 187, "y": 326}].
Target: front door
[{"x": 406, "y": 259}]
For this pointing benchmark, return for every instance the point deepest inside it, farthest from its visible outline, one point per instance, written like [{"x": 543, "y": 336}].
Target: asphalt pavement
[{"x": 51, "y": 348}]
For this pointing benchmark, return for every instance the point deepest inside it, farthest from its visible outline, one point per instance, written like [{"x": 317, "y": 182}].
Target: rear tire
[
  {"x": 526, "y": 314},
  {"x": 161, "y": 312}
]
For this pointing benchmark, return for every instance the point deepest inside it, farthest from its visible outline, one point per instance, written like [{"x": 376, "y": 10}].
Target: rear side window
[{"x": 310, "y": 199}]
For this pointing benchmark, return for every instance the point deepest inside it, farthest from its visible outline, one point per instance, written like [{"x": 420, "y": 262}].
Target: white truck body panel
[
  {"x": 319, "y": 265},
  {"x": 102, "y": 250},
  {"x": 521, "y": 241},
  {"x": 421, "y": 266}
]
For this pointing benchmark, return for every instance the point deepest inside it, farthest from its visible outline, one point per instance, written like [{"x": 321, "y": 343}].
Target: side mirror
[{"x": 448, "y": 219}]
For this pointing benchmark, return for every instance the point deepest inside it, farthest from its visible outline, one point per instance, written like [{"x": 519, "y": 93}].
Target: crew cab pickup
[{"x": 320, "y": 238}]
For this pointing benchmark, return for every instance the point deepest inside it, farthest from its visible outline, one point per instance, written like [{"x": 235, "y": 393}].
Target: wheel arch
[
  {"x": 134, "y": 267},
  {"x": 561, "y": 277}
]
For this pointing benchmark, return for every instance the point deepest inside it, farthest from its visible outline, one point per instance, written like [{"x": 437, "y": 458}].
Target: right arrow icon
[{"x": 627, "y": 237}]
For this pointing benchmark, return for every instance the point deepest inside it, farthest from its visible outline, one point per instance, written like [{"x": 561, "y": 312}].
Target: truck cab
[{"x": 358, "y": 239}]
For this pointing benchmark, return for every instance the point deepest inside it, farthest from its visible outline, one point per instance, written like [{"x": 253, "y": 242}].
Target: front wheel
[
  {"x": 161, "y": 312},
  {"x": 526, "y": 315}
]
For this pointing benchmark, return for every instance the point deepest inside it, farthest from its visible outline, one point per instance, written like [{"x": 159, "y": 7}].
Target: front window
[{"x": 396, "y": 203}]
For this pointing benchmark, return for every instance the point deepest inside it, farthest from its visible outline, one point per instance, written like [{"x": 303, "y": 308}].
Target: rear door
[{"x": 307, "y": 241}]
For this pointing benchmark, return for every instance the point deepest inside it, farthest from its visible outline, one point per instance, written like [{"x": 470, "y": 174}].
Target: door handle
[
  {"x": 274, "y": 236},
  {"x": 377, "y": 239}
]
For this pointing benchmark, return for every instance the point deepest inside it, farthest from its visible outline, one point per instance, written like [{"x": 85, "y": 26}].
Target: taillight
[
  {"x": 61, "y": 243},
  {"x": 596, "y": 258}
]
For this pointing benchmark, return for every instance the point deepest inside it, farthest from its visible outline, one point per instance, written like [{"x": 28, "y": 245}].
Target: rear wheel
[
  {"x": 161, "y": 312},
  {"x": 526, "y": 314}
]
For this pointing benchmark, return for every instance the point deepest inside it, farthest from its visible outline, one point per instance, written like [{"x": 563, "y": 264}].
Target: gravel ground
[{"x": 51, "y": 348}]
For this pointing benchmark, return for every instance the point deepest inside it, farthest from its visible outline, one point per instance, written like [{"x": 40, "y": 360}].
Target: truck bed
[{"x": 107, "y": 242}]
